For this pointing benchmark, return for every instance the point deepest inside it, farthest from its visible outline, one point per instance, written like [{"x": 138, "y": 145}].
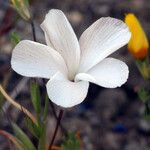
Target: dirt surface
[{"x": 109, "y": 119}]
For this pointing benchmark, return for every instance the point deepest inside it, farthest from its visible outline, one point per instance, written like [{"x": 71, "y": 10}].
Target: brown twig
[
  {"x": 19, "y": 87},
  {"x": 56, "y": 128},
  {"x": 54, "y": 148},
  {"x": 10, "y": 145},
  {"x": 56, "y": 117},
  {"x": 18, "y": 106},
  {"x": 11, "y": 138}
]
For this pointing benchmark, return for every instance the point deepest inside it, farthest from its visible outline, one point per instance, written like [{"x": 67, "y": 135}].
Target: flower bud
[
  {"x": 21, "y": 7},
  {"x": 138, "y": 44}
]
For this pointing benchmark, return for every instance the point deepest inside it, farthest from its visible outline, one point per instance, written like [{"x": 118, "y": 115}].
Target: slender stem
[
  {"x": 10, "y": 145},
  {"x": 33, "y": 31},
  {"x": 56, "y": 128},
  {"x": 55, "y": 115},
  {"x": 56, "y": 148},
  {"x": 53, "y": 110},
  {"x": 18, "y": 106},
  {"x": 9, "y": 120},
  {"x": 19, "y": 87},
  {"x": 11, "y": 138}
]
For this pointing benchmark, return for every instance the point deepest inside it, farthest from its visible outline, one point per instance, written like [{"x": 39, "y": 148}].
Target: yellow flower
[
  {"x": 21, "y": 7},
  {"x": 138, "y": 44}
]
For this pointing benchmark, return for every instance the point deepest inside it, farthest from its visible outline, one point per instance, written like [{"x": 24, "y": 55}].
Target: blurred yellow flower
[
  {"x": 21, "y": 7},
  {"x": 138, "y": 44}
]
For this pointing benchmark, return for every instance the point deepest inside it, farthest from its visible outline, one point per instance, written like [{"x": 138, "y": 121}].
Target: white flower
[{"x": 71, "y": 64}]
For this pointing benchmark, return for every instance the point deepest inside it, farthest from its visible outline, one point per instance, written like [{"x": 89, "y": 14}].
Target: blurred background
[{"x": 109, "y": 119}]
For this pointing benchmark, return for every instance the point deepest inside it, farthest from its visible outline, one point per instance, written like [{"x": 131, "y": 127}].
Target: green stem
[{"x": 42, "y": 140}]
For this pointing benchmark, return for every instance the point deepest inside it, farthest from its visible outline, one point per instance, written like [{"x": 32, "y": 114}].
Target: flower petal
[
  {"x": 101, "y": 39},
  {"x": 33, "y": 59},
  {"x": 109, "y": 73},
  {"x": 60, "y": 35},
  {"x": 65, "y": 93}
]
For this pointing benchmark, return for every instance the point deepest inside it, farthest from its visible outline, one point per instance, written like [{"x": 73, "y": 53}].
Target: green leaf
[
  {"x": 21, "y": 144},
  {"x": 71, "y": 142},
  {"x": 144, "y": 68},
  {"x": 1, "y": 101},
  {"x": 42, "y": 139},
  {"x": 23, "y": 138},
  {"x": 147, "y": 112},
  {"x": 36, "y": 99},
  {"x": 35, "y": 129},
  {"x": 143, "y": 95},
  {"x": 15, "y": 38},
  {"x": 27, "y": 3},
  {"x": 17, "y": 4},
  {"x": 22, "y": 8},
  {"x": 45, "y": 108}
]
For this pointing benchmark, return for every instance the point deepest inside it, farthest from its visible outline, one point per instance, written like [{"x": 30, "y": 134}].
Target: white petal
[
  {"x": 60, "y": 35},
  {"x": 101, "y": 39},
  {"x": 109, "y": 73},
  {"x": 48, "y": 42},
  {"x": 66, "y": 93},
  {"x": 33, "y": 59}
]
